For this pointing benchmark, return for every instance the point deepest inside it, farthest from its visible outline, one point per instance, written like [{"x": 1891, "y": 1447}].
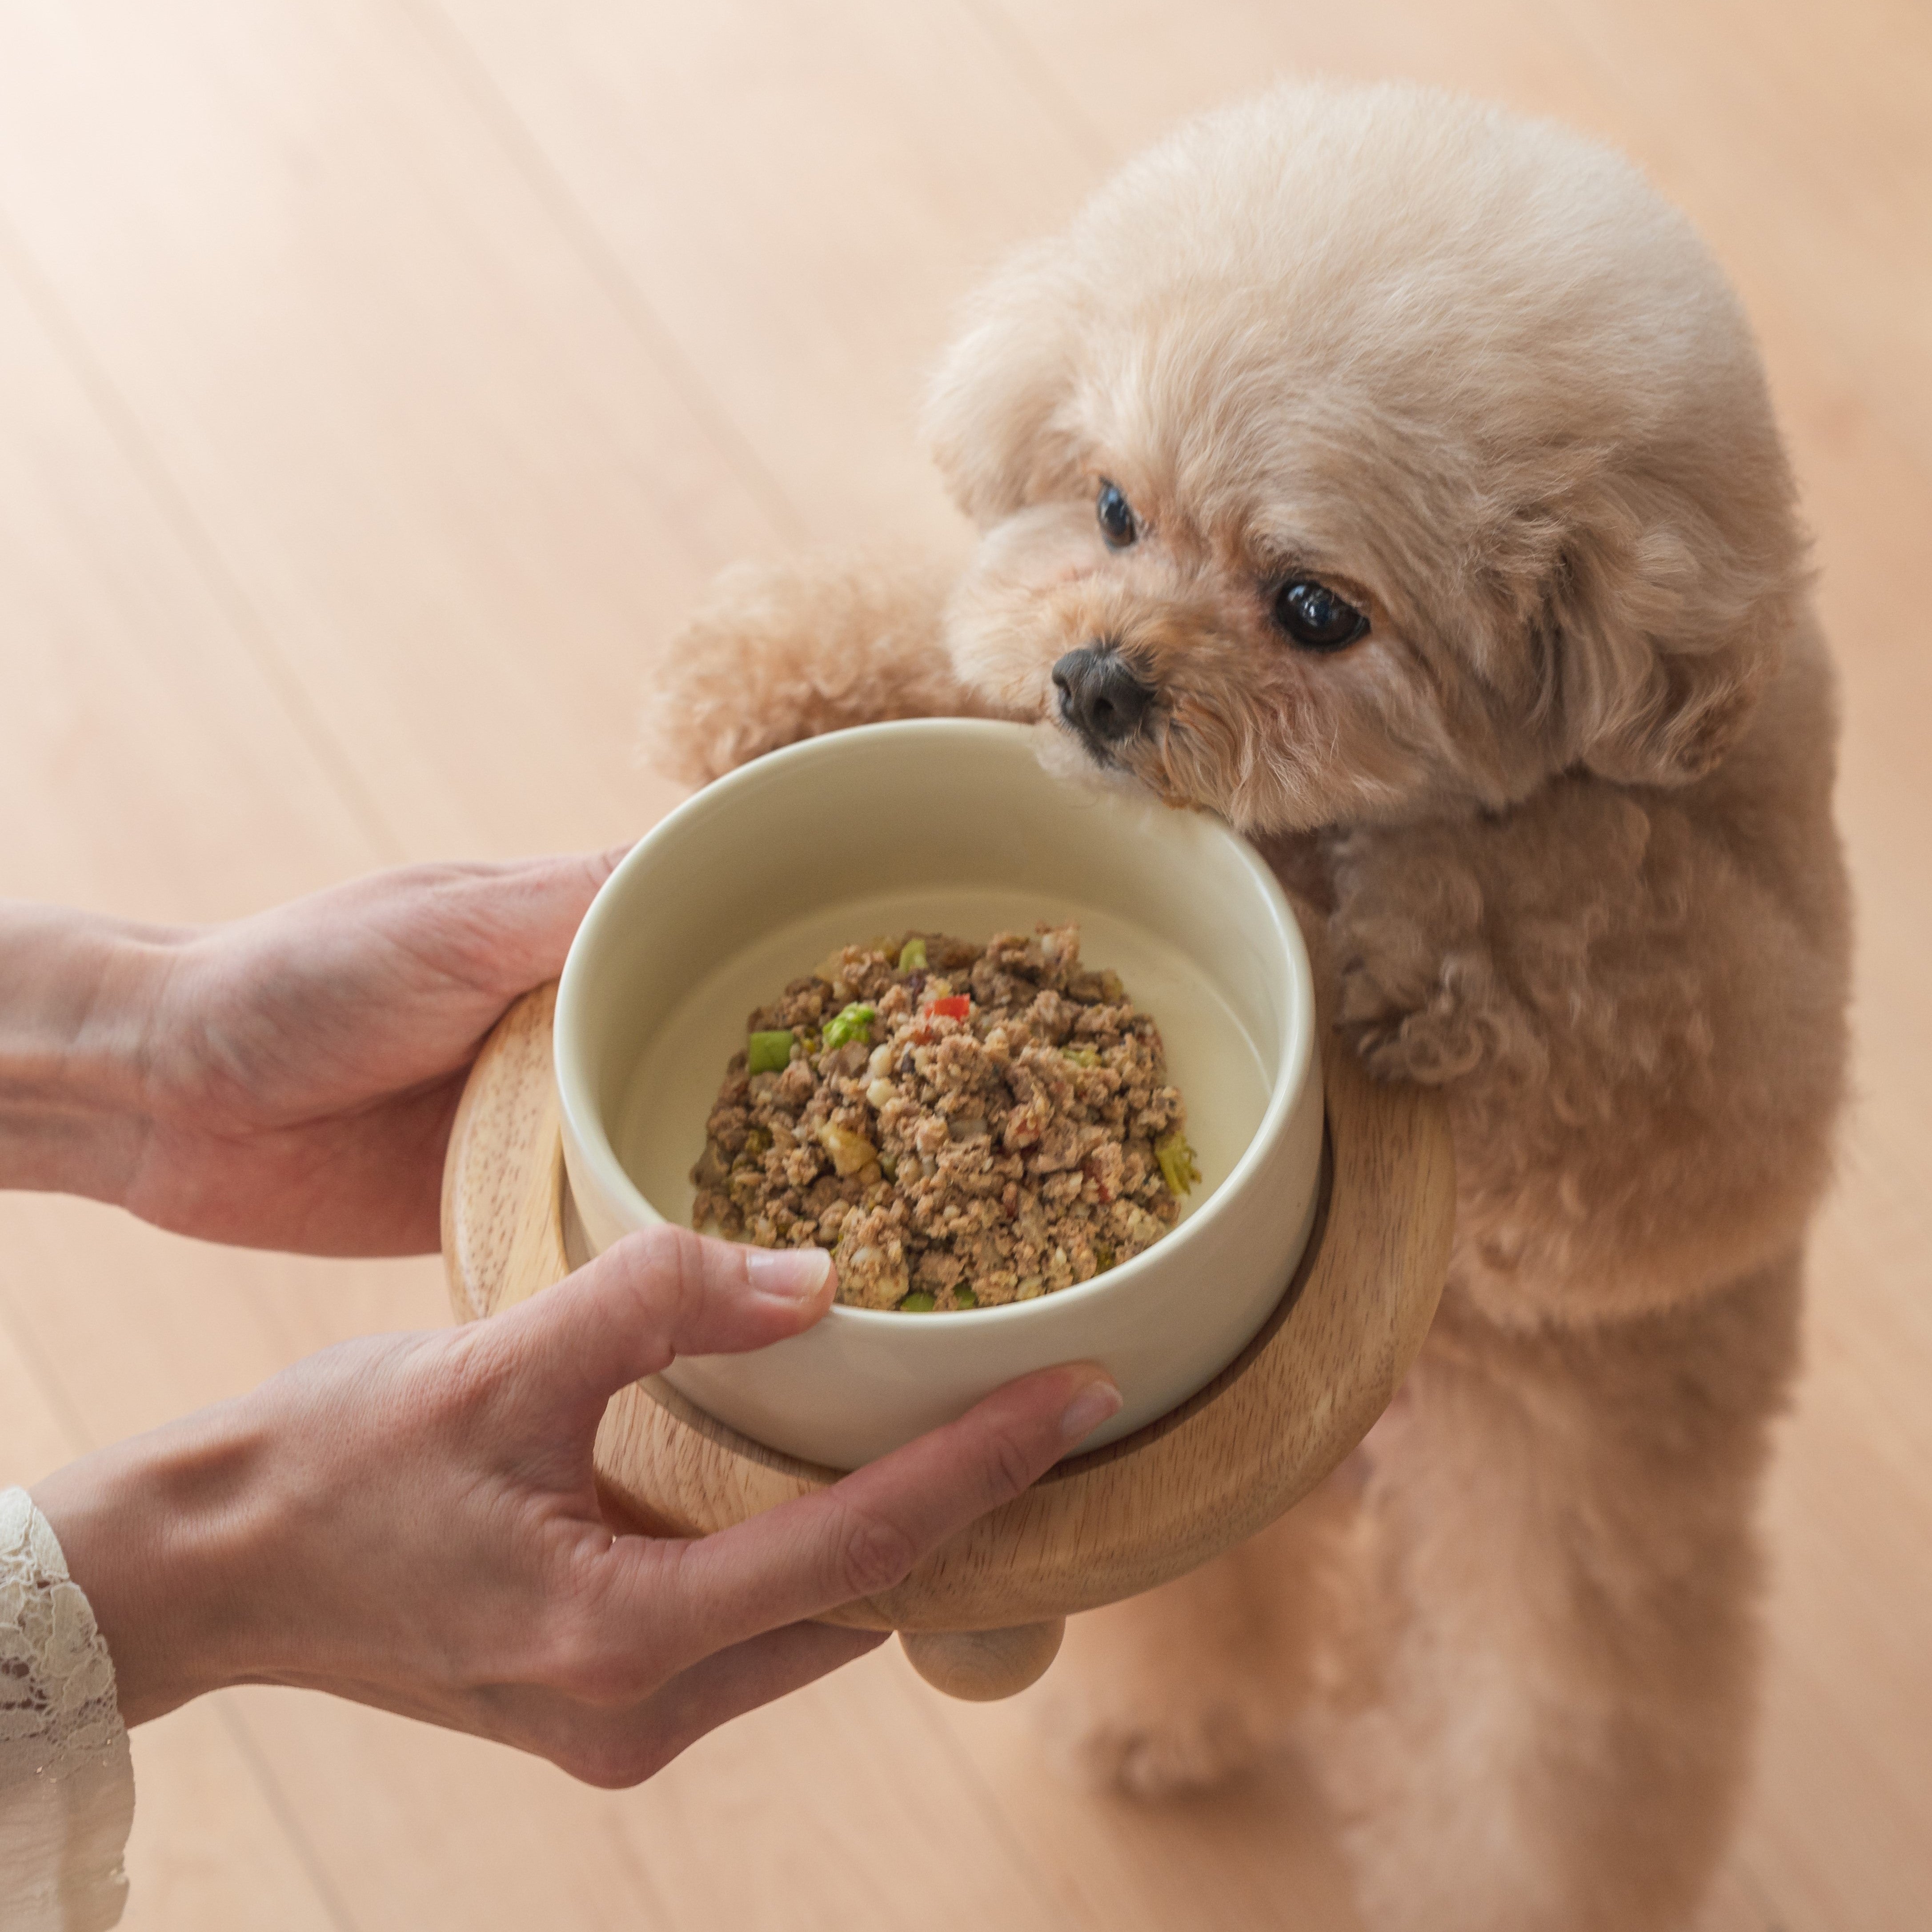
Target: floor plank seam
[
  {"x": 47, "y": 1378},
  {"x": 200, "y": 550},
  {"x": 1051, "y": 1896},
  {"x": 1036, "y": 75},
  {"x": 263, "y": 1772},
  {"x": 472, "y": 76}
]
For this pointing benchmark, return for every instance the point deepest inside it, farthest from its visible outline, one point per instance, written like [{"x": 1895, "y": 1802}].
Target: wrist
[
  {"x": 74, "y": 1048},
  {"x": 162, "y": 1533}
]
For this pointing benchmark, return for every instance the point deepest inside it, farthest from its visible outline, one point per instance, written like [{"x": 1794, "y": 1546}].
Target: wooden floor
[{"x": 375, "y": 375}]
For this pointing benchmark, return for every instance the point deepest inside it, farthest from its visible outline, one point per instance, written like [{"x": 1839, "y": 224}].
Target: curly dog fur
[{"x": 1565, "y": 809}]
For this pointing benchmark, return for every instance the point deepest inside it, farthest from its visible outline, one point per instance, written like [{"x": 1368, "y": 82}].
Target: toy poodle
[{"x": 1397, "y": 478}]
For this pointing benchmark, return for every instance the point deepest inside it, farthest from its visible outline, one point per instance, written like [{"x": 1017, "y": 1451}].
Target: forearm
[
  {"x": 73, "y": 1047},
  {"x": 163, "y": 1532}
]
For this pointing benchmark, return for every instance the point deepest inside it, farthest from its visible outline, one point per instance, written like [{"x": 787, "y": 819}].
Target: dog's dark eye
[
  {"x": 1315, "y": 617},
  {"x": 1117, "y": 518}
]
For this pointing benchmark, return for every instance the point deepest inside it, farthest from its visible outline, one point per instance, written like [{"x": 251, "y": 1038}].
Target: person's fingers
[
  {"x": 758, "y": 1671},
  {"x": 862, "y": 1535},
  {"x": 556, "y": 894},
  {"x": 622, "y": 1743},
  {"x": 508, "y": 927},
  {"x": 497, "y": 926},
  {"x": 659, "y": 1294},
  {"x": 629, "y": 1744}
]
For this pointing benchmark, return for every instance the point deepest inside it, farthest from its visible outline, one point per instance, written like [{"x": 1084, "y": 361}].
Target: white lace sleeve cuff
[{"x": 66, "y": 1782}]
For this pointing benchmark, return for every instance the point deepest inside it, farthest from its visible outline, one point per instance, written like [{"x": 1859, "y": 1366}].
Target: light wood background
[{"x": 375, "y": 375}]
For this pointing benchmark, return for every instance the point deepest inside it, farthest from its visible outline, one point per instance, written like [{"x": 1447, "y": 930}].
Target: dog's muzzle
[{"x": 1101, "y": 696}]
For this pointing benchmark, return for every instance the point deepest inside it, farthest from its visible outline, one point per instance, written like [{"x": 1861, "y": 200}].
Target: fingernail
[
  {"x": 1088, "y": 1409},
  {"x": 796, "y": 1274}
]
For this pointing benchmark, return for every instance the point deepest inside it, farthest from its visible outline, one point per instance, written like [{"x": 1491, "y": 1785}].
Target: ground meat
[{"x": 961, "y": 1126}]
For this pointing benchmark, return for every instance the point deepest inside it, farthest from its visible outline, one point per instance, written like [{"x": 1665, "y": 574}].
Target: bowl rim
[{"x": 585, "y": 1126}]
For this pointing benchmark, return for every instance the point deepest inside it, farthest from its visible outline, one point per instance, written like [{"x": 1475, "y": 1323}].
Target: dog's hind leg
[
  {"x": 1547, "y": 1719},
  {"x": 785, "y": 652},
  {"x": 1186, "y": 1685}
]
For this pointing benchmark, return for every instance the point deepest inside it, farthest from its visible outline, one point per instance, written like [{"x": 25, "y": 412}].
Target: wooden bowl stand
[{"x": 983, "y": 1616}]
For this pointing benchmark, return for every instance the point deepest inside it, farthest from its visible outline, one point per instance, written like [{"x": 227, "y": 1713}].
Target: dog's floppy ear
[
  {"x": 991, "y": 413},
  {"x": 1658, "y": 625}
]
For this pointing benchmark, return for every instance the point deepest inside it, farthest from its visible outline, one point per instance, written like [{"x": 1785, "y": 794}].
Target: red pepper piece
[{"x": 956, "y": 1007}]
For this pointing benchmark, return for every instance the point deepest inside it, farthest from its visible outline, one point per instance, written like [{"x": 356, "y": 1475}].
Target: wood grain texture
[
  {"x": 503, "y": 1184},
  {"x": 1099, "y": 1527}
]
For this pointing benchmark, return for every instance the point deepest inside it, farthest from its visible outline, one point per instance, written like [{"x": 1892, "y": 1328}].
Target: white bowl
[{"x": 950, "y": 825}]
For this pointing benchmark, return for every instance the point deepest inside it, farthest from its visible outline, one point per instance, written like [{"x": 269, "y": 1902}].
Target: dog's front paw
[
  {"x": 1428, "y": 1033},
  {"x": 1156, "y": 1749},
  {"x": 743, "y": 678},
  {"x": 780, "y": 652},
  {"x": 1416, "y": 984},
  {"x": 1134, "y": 1705}
]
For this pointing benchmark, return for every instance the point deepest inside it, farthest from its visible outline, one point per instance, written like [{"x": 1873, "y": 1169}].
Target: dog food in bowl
[{"x": 961, "y": 1126}]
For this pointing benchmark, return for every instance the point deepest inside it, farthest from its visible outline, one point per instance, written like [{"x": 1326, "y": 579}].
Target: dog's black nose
[{"x": 1100, "y": 695}]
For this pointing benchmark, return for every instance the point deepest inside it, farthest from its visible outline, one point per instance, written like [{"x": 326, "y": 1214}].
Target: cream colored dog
[{"x": 1397, "y": 478}]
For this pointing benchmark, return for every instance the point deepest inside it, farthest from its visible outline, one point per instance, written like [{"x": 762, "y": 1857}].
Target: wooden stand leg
[{"x": 981, "y": 1665}]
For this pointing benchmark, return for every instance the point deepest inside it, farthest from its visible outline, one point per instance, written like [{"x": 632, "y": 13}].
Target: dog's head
[{"x": 1360, "y": 453}]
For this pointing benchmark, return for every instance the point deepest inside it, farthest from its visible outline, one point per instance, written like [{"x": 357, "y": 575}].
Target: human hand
[
  {"x": 413, "y": 1521},
  {"x": 287, "y": 1081}
]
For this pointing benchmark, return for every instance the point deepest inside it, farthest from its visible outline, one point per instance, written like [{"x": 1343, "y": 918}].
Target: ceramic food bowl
[{"x": 949, "y": 825}]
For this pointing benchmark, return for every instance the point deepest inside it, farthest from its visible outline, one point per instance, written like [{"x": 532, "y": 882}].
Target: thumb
[{"x": 657, "y": 1294}]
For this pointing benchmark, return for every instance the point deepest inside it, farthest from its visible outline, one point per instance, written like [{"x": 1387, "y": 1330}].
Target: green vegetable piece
[
  {"x": 1081, "y": 1056},
  {"x": 918, "y": 1303},
  {"x": 1177, "y": 1162},
  {"x": 965, "y": 1298},
  {"x": 889, "y": 1164},
  {"x": 912, "y": 956},
  {"x": 853, "y": 1022},
  {"x": 769, "y": 1052}
]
